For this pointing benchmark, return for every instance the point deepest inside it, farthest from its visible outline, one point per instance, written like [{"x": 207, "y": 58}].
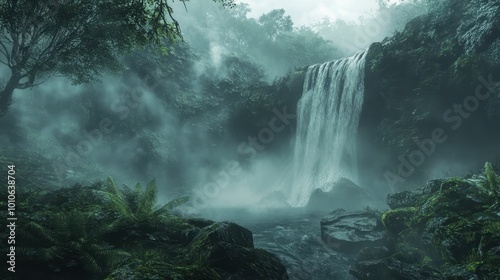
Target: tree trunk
[{"x": 6, "y": 94}]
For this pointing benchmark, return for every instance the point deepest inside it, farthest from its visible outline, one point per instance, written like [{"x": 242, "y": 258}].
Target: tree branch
[{"x": 6, "y": 53}]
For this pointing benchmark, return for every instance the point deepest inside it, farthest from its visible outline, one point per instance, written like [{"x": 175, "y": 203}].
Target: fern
[
  {"x": 69, "y": 238},
  {"x": 171, "y": 205},
  {"x": 147, "y": 200},
  {"x": 491, "y": 182},
  {"x": 118, "y": 201},
  {"x": 138, "y": 207},
  {"x": 148, "y": 257},
  {"x": 176, "y": 203},
  {"x": 491, "y": 177}
]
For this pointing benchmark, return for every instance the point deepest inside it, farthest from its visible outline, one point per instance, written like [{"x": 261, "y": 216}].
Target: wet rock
[
  {"x": 239, "y": 262},
  {"x": 349, "y": 232},
  {"x": 459, "y": 272},
  {"x": 373, "y": 253},
  {"x": 393, "y": 269},
  {"x": 404, "y": 199},
  {"x": 221, "y": 232},
  {"x": 342, "y": 194},
  {"x": 432, "y": 186},
  {"x": 395, "y": 221},
  {"x": 229, "y": 248}
]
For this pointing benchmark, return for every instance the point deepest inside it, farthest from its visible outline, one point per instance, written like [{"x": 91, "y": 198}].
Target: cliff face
[{"x": 432, "y": 96}]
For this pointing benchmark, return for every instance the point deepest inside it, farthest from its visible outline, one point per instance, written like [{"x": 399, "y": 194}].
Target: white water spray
[{"x": 327, "y": 123}]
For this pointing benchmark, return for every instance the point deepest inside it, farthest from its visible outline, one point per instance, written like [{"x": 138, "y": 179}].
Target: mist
[
  {"x": 137, "y": 130},
  {"x": 373, "y": 120}
]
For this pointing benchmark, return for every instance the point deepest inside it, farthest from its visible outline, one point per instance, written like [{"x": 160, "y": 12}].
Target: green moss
[
  {"x": 467, "y": 65},
  {"x": 491, "y": 228},
  {"x": 448, "y": 224},
  {"x": 473, "y": 261},
  {"x": 398, "y": 220},
  {"x": 427, "y": 260}
]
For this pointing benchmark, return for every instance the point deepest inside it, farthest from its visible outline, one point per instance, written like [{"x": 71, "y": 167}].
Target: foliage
[
  {"x": 491, "y": 177},
  {"x": 68, "y": 239},
  {"x": 270, "y": 41},
  {"x": 491, "y": 181},
  {"x": 58, "y": 243},
  {"x": 137, "y": 207},
  {"x": 275, "y": 23},
  {"x": 451, "y": 223},
  {"x": 80, "y": 40}
]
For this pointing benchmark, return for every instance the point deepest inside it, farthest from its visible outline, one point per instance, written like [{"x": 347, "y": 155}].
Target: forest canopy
[{"x": 80, "y": 40}]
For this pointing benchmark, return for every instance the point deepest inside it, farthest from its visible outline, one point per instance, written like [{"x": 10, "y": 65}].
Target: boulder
[
  {"x": 404, "y": 199},
  {"x": 228, "y": 248},
  {"x": 221, "y": 232},
  {"x": 349, "y": 232},
  {"x": 342, "y": 194},
  {"x": 242, "y": 263}
]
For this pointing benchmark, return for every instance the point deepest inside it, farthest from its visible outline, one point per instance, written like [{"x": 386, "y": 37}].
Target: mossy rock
[
  {"x": 227, "y": 232},
  {"x": 245, "y": 263},
  {"x": 395, "y": 221}
]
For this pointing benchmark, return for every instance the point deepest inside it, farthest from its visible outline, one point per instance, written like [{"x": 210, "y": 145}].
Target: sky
[{"x": 306, "y": 12}]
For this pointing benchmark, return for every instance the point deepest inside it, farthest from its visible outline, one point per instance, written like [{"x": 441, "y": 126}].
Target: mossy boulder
[
  {"x": 395, "y": 221},
  {"x": 243, "y": 263},
  {"x": 228, "y": 248},
  {"x": 451, "y": 231},
  {"x": 403, "y": 199},
  {"x": 221, "y": 232}
]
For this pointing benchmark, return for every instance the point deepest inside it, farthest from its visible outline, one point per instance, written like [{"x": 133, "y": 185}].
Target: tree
[
  {"x": 276, "y": 23},
  {"x": 77, "y": 39}
]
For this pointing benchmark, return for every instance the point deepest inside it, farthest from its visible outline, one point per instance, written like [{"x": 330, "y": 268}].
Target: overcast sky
[{"x": 306, "y": 12}]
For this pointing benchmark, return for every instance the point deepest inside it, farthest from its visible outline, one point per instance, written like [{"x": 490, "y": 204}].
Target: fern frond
[
  {"x": 90, "y": 263},
  {"x": 117, "y": 201},
  {"x": 148, "y": 200},
  {"x": 40, "y": 232},
  {"x": 491, "y": 177},
  {"x": 148, "y": 257},
  {"x": 115, "y": 224},
  {"x": 174, "y": 204},
  {"x": 50, "y": 253},
  {"x": 114, "y": 257},
  {"x": 76, "y": 245},
  {"x": 111, "y": 186}
]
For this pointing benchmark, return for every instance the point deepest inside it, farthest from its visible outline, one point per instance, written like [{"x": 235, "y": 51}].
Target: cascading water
[{"x": 327, "y": 122}]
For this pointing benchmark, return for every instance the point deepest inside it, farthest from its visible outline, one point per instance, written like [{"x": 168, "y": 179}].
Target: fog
[{"x": 137, "y": 129}]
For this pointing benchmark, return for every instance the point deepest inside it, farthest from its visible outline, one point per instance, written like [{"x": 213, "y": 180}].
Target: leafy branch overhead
[{"x": 77, "y": 39}]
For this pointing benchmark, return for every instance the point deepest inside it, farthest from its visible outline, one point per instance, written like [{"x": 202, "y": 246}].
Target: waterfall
[{"x": 327, "y": 122}]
